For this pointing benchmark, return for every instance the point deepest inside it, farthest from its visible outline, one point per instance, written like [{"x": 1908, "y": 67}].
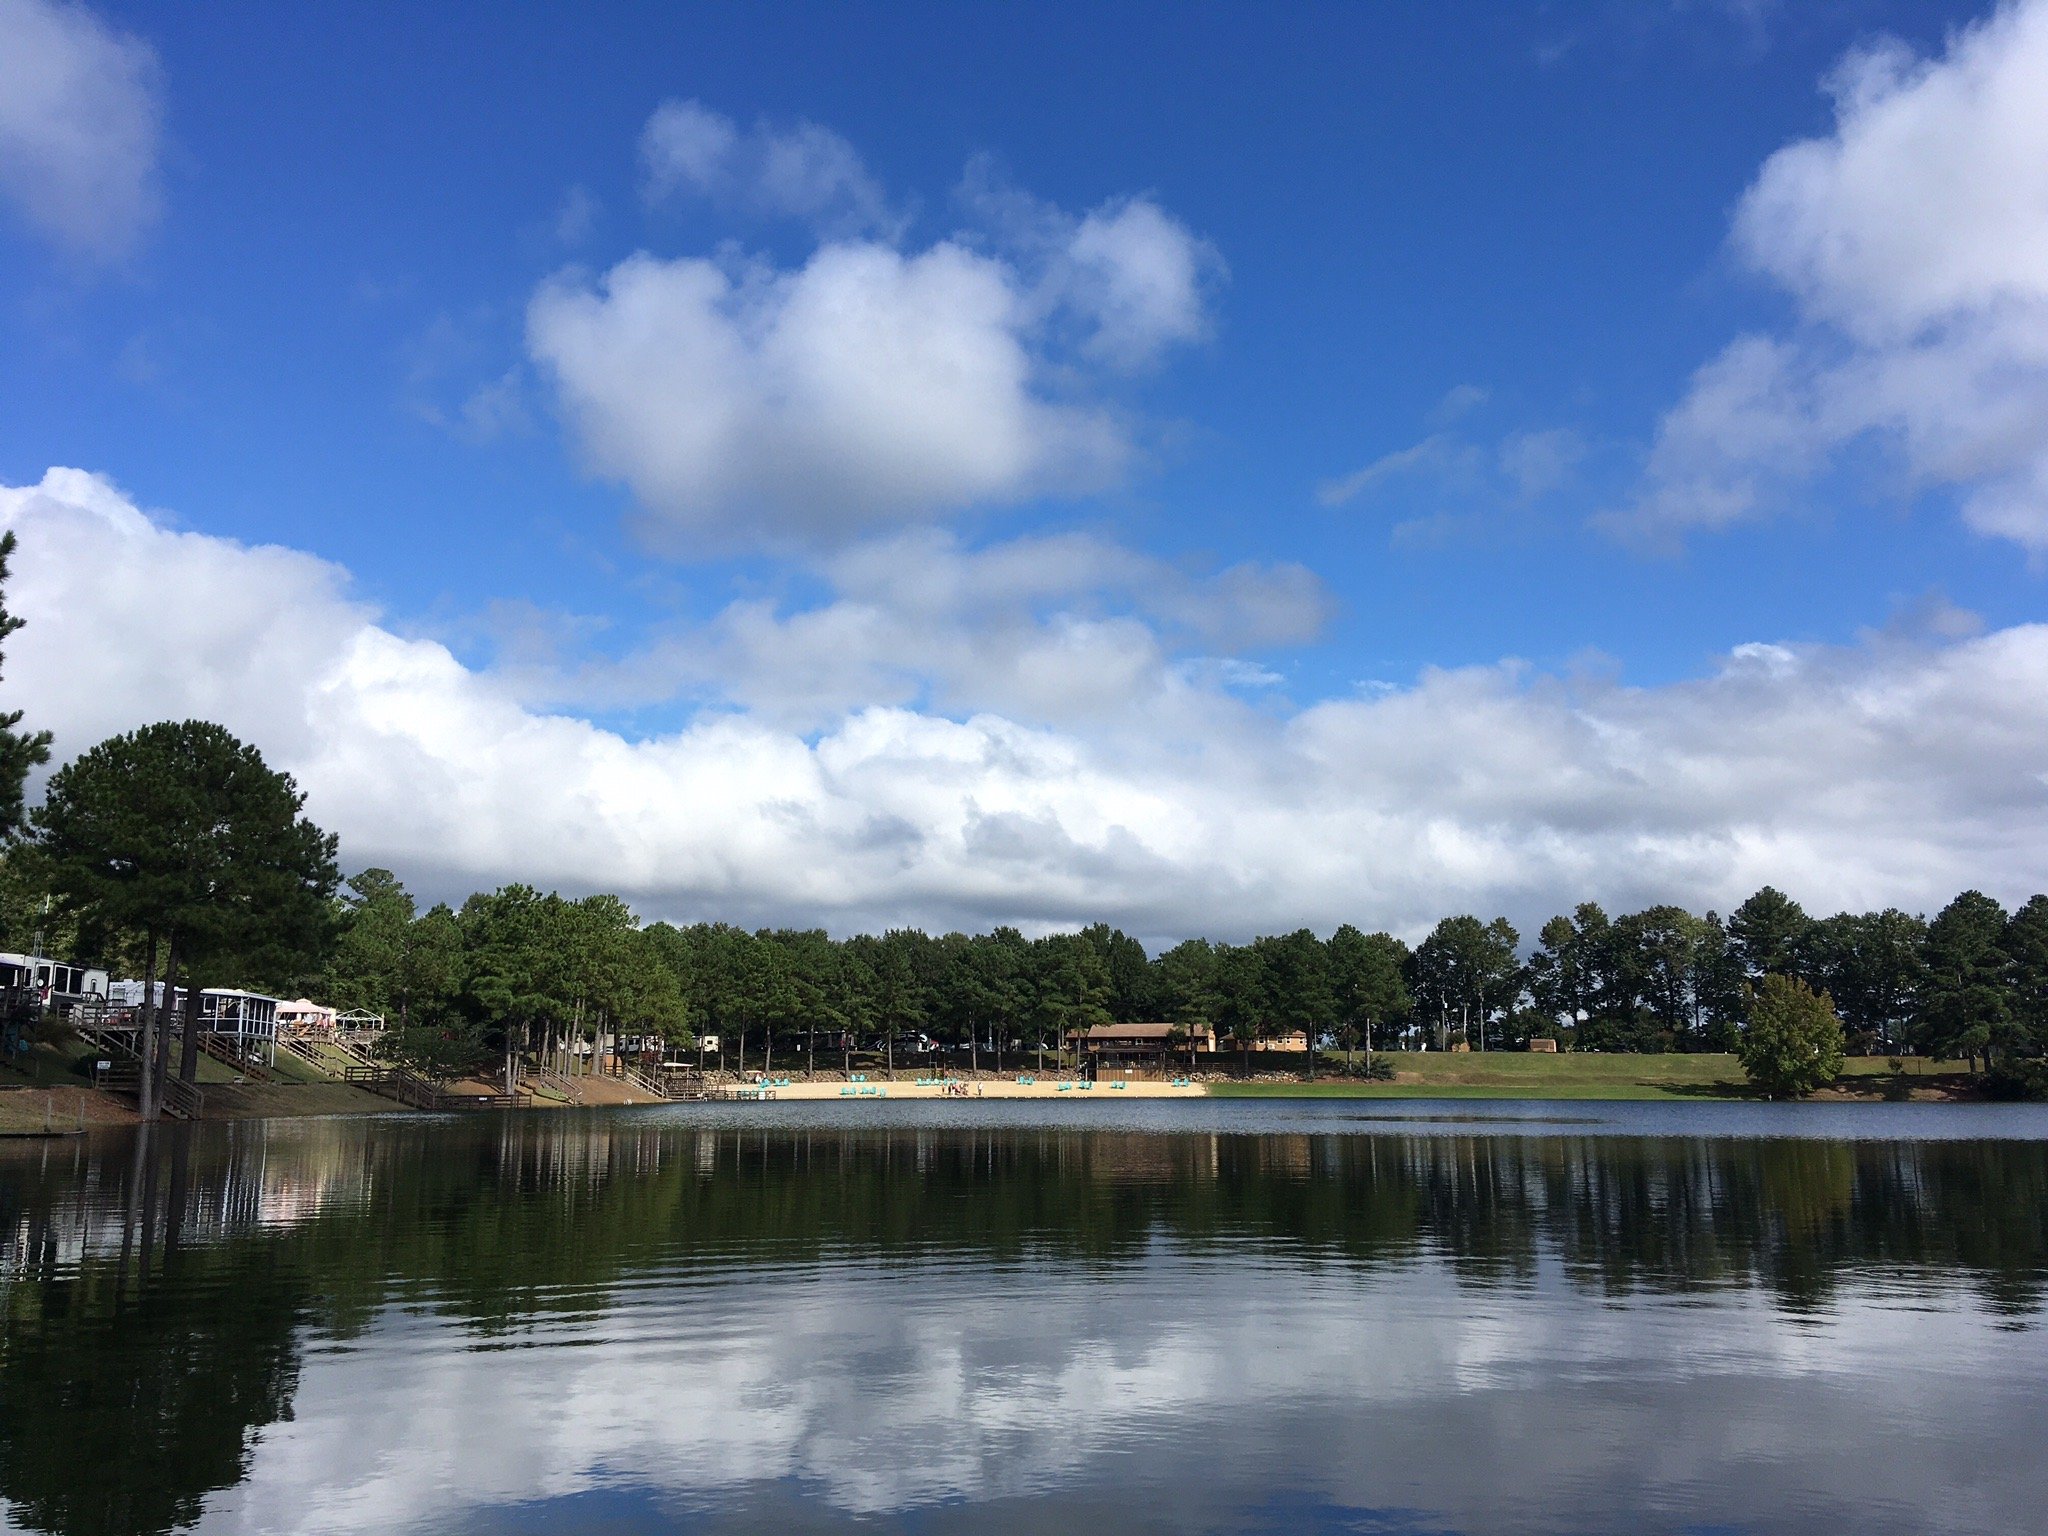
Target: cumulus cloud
[
  {"x": 1897, "y": 770},
  {"x": 1128, "y": 280},
  {"x": 796, "y": 170},
  {"x": 1056, "y": 630},
  {"x": 747, "y": 402},
  {"x": 864, "y": 388},
  {"x": 80, "y": 121},
  {"x": 1914, "y": 240}
]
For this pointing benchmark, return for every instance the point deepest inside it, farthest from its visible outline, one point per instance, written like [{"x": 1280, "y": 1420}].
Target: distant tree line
[{"x": 517, "y": 968}]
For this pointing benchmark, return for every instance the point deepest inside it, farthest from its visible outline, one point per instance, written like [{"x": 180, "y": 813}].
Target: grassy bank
[
  {"x": 1522, "y": 1075},
  {"x": 48, "y": 1075}
]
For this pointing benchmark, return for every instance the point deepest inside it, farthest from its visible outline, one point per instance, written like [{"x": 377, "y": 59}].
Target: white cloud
[
  {"x": 1746, "y": 430},
  {"x": 1898, "y": 770},
  {"x": 797, "y": 170},
  {"x": 80, "y": 121},
  {"x": 1140, "y": 275},
  {"x": 749, "y": 403},
  {"x": 1914, "y": 239},
  {"x": 1438, "y": 453},
  {"x": 1063, "y": 630},
  {"x": 1537, "y": 463},
  {"x": 1477, "y": 483},
  {"x": 1127, "y": 281},
  {"x": 867, "y": 387},
  {"x": 1459, "y": 400}
]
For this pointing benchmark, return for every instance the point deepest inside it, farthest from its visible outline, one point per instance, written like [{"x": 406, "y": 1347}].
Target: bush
[
  {"x": 2018, "y": 1080},
  {"x": 52, "y": 1028},
  {"x": 1792, "y": 1043},
  {"x": 436, "y": 1052}
]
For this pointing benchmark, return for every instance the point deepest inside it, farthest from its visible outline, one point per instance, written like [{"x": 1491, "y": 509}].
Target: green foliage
[
  {"x": 1769, "y": 934},
  {"x": 1131, "y": 995},
  {"x": 1368, "y": 985},
  {"x": 1967, "y": 1008},
  {"x": 2025, "y": 944},
  {"x": 1243, "y": 992},
  {"x": 370, "y": 966},
  {"x": 180, "y": 829},
  {"x": 1873, "y": 965},
  {"x": 1465, "y": 972},
  {"x": 1299, "y": 993},
  {"x": 1792, "y": 1043},
  {"x": 1186, "y": 983},
  {"x": 452, "y": 1049},
  {"x": 1072, "y": 988},
  {"x": 2027, "y": 1080},
  {"x": 1655, "y": 980},
  {"x": 20, "y": 751}
]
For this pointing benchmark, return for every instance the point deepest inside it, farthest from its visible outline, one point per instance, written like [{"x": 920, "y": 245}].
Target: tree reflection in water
[{"x": 159, "y": 1289}]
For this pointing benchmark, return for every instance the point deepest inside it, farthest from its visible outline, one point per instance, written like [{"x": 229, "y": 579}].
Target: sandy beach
[{"x": 1008, "y": 1088}]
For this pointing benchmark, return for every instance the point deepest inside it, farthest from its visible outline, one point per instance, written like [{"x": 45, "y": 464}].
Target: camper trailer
[{"x": 57, "y": 983}]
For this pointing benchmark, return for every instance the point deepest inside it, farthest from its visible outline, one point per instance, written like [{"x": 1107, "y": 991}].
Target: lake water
[{"x": 1218, "y": 1316}]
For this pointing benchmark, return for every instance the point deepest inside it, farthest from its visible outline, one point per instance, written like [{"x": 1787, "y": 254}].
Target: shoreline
[
  {"x": 977, "y": 1089},
  {"x": 1502, "y": 1078}
]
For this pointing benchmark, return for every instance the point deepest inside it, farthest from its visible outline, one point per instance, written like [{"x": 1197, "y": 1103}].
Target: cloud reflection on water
[{"x": 646, "y": 1323}]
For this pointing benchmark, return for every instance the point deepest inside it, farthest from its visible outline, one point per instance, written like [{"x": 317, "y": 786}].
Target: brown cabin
[{"x": 1140, "y": 1044}]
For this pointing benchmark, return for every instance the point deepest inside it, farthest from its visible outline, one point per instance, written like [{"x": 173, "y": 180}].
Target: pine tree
[
  {"x": 2025, "y": 944},
  {"x": 1967, "y": 1006},
  {"x": 20, "y": 751},
  {"x": 182, "y": 833},
  {"x": 1769, "y": 933}
]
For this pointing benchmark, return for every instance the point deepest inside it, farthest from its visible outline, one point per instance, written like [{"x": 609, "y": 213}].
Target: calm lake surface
[{"x": 1220, "y": 1316}]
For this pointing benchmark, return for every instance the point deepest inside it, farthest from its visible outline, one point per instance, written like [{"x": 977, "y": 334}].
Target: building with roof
[{"x": 1139, "y": 1045}]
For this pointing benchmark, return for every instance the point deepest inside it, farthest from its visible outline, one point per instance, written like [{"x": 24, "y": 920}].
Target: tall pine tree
[{"x": 20, "y": 751}]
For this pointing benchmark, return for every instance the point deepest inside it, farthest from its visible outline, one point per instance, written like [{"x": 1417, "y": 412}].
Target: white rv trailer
[{"x": 59, "y": 983}]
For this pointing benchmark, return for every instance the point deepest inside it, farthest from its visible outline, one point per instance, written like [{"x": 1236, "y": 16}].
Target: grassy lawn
[
  {"x": 51, "y": 1066},
  {"x": 46, "y": 1066},
  {"x": 1522, "y": 1075}
]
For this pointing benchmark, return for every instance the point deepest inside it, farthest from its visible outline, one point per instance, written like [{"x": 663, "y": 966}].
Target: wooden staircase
[
  {"x": 643, "y": 1082},
  {"x": 221, "y": 1051},
  {"x": 181, "y": 1101},
  {"x": 567, "y": 1087},
  {"x": 409, "y": 1088},
  {"x": 334, "y": 1058}
]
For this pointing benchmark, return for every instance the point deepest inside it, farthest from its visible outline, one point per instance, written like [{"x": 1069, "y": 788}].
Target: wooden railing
[
  {"x": 182, "y": 1100},
  {"x": 567, "y": 1087},
  {"x": 221, "y": 1051},
  {"x": 185, "y": 1100},
  {"x": 292, "y": 1047},
  {"x": 408, "y": 1088},
  {"x": 643, "y": 1082},
  {"x": 327, "y": 1053}
]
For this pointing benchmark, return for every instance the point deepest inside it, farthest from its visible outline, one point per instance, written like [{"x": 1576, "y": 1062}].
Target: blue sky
[{"x": 1419, "y": 293}]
